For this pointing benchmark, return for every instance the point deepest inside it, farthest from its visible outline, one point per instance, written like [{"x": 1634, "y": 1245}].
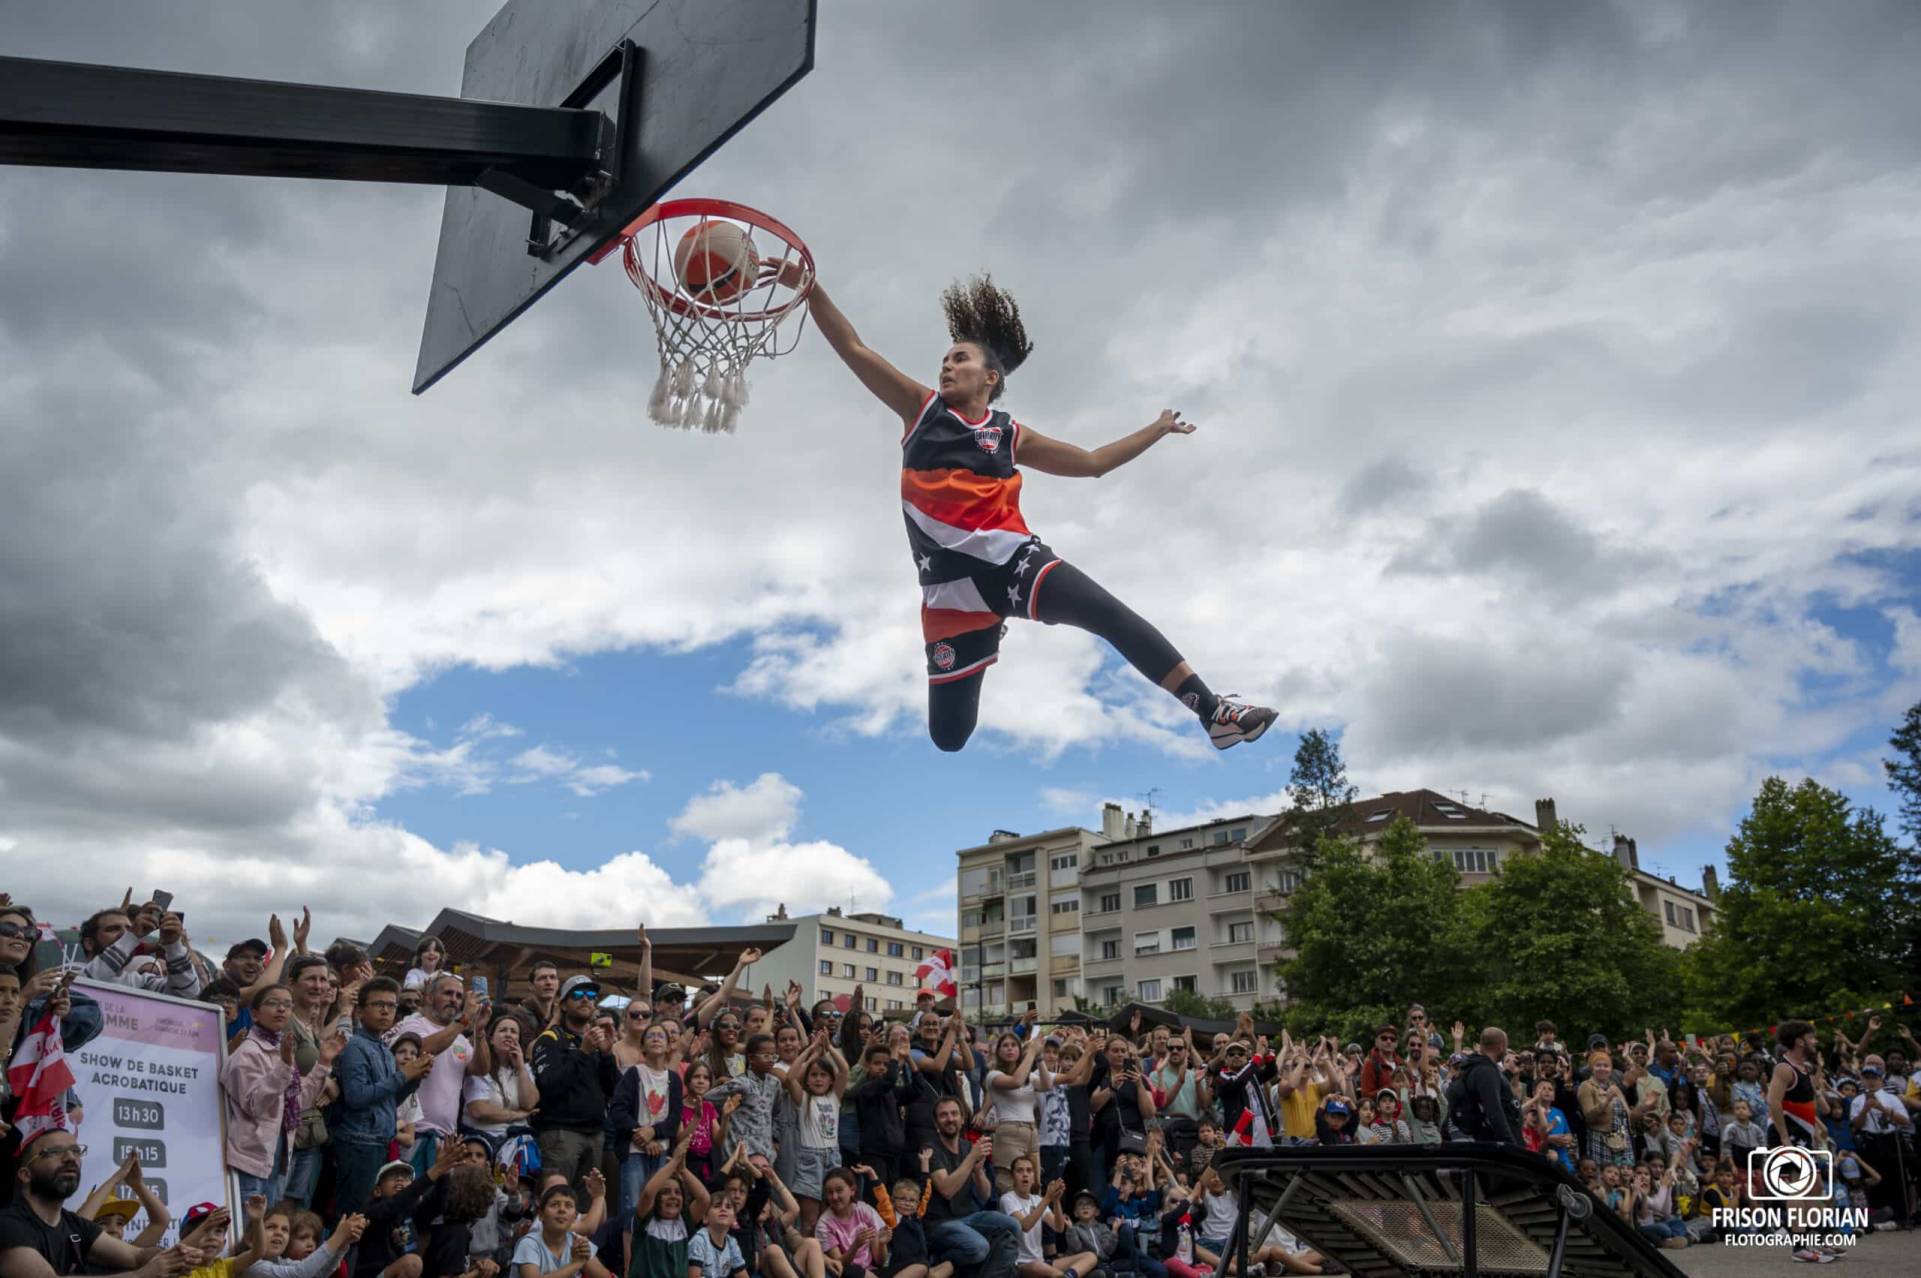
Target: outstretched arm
[
  {"x": 1055, "y": 457},
  {"x": 888, "y": 384}
]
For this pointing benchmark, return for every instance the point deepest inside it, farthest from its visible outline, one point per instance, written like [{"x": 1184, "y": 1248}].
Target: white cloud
[
  {"x": 766, "y": 809},
  {"x": 1628, "y": 388},
  {"x": 752, "y": 866}
]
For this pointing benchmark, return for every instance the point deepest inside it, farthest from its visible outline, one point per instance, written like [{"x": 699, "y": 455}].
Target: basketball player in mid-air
[{"x": 960, "y": 492}]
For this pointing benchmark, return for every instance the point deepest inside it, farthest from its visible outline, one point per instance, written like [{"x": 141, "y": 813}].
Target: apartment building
[
  {"x": 831, "y": 953},
  {"x": 1020, "y": 920},
  {"x": 1174, "y": 910}
]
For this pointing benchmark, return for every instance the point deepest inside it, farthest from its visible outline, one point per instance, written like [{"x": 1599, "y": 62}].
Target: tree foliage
[
  {"x": 1559, "y": 935},
  {"x": 1318, "y": 791},
  {"x": 1904, "y": 773},
  {"x": 1199, "y": 1006},
  {"x": 1371, "y": 929},
  {"x": 1819, "y": 911}
]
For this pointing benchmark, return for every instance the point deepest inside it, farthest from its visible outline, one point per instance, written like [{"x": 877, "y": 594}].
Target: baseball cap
[
  {"x": 669, "y": 989},
  {"x": 579, "y": 983},
  {"x": 1870, "y": 1071},
  {"x": 117, "y": 1209},
  {"x": 925, "y": 994},
  {"x": 397, "y": 1165},
  {"x": 1596, "y": 1040},
  {"x": 195, "y": 1214},
  {"x": 1338, "y": 1106},
  {"x": 255, "y": 944},
  {"x": 1085, "y": 1196}
]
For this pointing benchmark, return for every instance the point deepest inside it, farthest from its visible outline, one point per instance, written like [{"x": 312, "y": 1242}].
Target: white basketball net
[{"x": 706, "y": 344}]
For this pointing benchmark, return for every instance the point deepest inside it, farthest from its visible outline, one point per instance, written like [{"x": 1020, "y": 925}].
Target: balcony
[
  {"x": 1224, "y": 943},
  {"x": 1110, "y": 960},
  {"x": 1022, "y": 923},
  {"x": 1025, "y": 879},
  {"x": 1022, "y": 966},
  {"x": 992, "y": 971},
  {"x": 991, "y": 928},
  {"x": 1272, "y": 951},
  {"x": 993, "y": 887},
  {"x": 1268, "y": 900}
]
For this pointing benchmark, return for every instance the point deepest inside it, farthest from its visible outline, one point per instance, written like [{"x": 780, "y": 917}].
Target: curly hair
[{"x": 987, "y": 317}]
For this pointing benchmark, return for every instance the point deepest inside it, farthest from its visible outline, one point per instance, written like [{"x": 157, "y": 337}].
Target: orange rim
[{"x": 700, "y": 207}]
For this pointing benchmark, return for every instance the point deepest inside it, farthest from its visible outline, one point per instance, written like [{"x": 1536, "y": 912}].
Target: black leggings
[{"x": 1068, "y": 596}]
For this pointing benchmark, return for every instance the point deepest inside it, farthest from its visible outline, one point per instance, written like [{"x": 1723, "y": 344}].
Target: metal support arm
[{"x": 76, "y": 115}]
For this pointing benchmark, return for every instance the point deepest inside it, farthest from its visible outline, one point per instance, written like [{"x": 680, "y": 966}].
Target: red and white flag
[
  {"x": 936, "y": 973},
  {"x": 40, "y": 1077}
]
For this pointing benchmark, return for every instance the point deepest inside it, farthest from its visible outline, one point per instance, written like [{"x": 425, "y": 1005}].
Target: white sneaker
[{"x": 1234, "y": 722}]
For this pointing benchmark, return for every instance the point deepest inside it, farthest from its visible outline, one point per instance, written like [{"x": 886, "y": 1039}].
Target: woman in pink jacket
[{"x": 264, "y": 1096}]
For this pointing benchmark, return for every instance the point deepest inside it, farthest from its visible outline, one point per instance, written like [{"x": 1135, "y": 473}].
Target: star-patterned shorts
[{"x": 1007, "y": 589}]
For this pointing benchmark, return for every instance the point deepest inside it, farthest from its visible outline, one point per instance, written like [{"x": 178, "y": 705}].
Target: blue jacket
[{"x": 371, "y": 1086}]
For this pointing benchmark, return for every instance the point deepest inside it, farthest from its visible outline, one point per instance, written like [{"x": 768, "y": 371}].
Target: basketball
[{"x": 715, "y": 261}]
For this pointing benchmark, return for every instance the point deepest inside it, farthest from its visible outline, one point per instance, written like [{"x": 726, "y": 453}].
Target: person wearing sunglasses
[
  {"x": 38, "y": 1235},
  {"x": 574, "y": 1068}
]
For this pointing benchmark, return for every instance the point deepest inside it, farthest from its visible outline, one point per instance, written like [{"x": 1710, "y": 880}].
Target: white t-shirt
[
  {"x": 1221, "y": 1211},
  {"x": 1015, "y": 1104},
  {"x": 1017, "y": 1206},
  {"x": 502, "y": 1088},
  {"x": 820, "y": 1122},
  {"x": 1879, "y": 1106}
]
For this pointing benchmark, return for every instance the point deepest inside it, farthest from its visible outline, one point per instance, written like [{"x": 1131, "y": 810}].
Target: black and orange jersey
[{"x": 960, "y": 495}]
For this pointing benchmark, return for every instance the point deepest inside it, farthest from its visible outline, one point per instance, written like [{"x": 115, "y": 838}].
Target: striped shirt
[{"x": 960, "y": 495}]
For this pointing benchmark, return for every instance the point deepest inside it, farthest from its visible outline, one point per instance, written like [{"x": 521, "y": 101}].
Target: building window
[
  {"x": 1245, "y": 982},
  {"x": 895, "y": 949},
  {"x": 1672, "y": 921},
  {"x": 1687, "y": 917},
  {"x": 873, "y": 1005},
  {"x": 1180, "y": 889},
  {"x": 1146, "y": 894},
  {"x": 1072, "y": 906},
  {"x": 895, "y": 978},
  {"x": 1471, "y": 860},
  {"x": 919, "y": 953},
  {"x": 1151, "y": 991},
  {"x": 1110, "y": 949},
  {"x": 1147, "y": 942},
  {"x": 827, "y": 967},
  {"x": 1110, "y": 902},
  {"x": 847, "y": 970},
  {"x": 894, "y": 1005},
  {"x": 1187, "y": 984},
  {"x": 1111, "y": 996},
  {"x": 850, "y": 941},
  {"x": 827, "y": 936},
  {"x": 1238, "y": 881},
  {"x": 1240, "y": 834},
  {"x": 1153, "y": 849},
  {"x": 1066, "y": 861},
  {"x": 873, "y": 974},
  {"x": 873, "y": 946},
  {"x": 1220, "y": 837},
  {"x": 1060, "y": 989},
  {"x": 1187, "y": 845},
  {"x": 1239, "y": 933},
  {"x": 1182, "y": 938}
]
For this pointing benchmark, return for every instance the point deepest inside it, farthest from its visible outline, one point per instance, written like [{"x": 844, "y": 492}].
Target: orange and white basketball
[{"x": 715, "y": 262}]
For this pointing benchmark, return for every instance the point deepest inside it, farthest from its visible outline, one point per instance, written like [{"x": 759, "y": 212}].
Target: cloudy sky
[{"x": 1556, "y": 375}]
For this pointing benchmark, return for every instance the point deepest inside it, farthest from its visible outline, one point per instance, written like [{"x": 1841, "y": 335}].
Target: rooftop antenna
[{"x": 1148, "y": 798}]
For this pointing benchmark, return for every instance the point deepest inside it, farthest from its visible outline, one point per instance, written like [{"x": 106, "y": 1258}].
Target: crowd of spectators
[{"x": 414, "y": 1128}]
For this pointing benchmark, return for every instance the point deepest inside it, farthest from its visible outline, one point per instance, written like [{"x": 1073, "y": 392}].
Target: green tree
[
  {"x": 1819, "y": 911},
  {"x": 1559, "y": 935},
  {"x": 1904, "y": 772},
  {"x": 1371, "y": 931},
  {"x": 1317, "y": 790},
  {"x": 1199, "y": 1006}
]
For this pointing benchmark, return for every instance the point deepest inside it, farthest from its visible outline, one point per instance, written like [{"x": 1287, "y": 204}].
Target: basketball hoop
[{"x": 708, "y": 337}]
